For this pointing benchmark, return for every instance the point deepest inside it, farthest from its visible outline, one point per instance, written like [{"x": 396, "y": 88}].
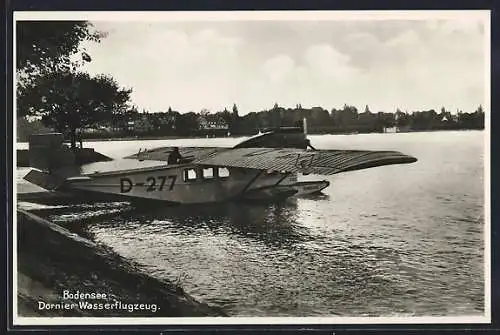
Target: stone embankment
[{"x": 52, "y": 260}]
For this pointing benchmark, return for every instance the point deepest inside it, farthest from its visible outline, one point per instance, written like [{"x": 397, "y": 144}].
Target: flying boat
[{"x": 263, "y": 167}]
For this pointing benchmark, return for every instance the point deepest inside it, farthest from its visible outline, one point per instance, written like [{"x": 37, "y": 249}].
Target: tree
[
  {"x": 235, "y": 111},
  {"x": 347, "y": 117},
  {"x": 143, "y": 124},
  {"x": 68, "y": 101},
  {"x": 250, "y": 123},
  {"x": 401, "y": 119},
  {"x": 25, "y": 128},
  {"x": 367, "y": 121},
  {"x": 385, "y": 120},
  {"x": 45, "y": 45},
  {"x": 226, "y": 116},
  {"x": 319, "y": 117},
  {"x": 187, "y": 124},
  {"x": 476, "y": 119}
]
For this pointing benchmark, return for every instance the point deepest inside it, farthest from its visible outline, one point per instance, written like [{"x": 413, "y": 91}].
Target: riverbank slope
[{"x": 52, "y": 260}]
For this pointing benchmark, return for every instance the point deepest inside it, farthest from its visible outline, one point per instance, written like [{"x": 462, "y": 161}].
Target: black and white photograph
[{"x": 251, "y": 167}]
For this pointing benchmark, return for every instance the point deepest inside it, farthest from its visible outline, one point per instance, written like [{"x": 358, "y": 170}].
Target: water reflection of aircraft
[
  {"x": 263, "y": 167},
  {"x": 273, "y": 224}
]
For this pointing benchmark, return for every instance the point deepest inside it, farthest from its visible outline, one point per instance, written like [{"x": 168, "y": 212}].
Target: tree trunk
[{"x": 72, "y": 135}]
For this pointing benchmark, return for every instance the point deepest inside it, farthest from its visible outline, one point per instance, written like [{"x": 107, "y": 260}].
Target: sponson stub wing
[{"x": 323, "y": 162}]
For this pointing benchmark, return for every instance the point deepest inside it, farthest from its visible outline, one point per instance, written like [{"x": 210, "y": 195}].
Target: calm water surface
[{"x": 394, "y": 240}]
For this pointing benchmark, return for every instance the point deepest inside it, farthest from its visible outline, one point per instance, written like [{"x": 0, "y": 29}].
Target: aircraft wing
[
  {"x": 324, "y": 162},
  {"x": 161, "y": 154}
]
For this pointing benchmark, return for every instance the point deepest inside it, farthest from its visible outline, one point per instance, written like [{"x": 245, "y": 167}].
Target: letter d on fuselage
[{"x": 125, "y": 185}]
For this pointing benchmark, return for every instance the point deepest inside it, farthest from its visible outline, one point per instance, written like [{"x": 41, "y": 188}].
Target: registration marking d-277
[{"x": 153, "y": 183}]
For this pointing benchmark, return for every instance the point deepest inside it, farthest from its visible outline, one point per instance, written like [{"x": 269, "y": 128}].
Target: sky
[{"x": 385, "y": 64}]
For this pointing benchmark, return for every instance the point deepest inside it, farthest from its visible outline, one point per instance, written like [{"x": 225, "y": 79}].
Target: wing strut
[{"x": 247, "y": 186}]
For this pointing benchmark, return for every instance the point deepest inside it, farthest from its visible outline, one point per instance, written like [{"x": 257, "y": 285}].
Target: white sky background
[{"x": 190, "y": 65}]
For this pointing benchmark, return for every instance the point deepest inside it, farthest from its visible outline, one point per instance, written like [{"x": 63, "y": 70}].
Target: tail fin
[
  {"x": 48, "y": 153},
  {"x": 44, "y": 180}
]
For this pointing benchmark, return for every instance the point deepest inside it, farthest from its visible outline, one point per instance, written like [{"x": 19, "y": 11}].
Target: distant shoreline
[
  {"x": 157, "y": 138},
  {"x": 152, "y": 138}
]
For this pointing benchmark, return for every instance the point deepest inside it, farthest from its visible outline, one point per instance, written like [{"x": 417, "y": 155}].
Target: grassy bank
[{"x": 51, "y": 260}]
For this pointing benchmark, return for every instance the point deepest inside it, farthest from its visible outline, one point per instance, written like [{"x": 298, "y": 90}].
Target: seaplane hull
[{"x": 190, "y": 184}]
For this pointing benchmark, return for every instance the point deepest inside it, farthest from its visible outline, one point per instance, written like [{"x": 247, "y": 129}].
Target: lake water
[{"x": 394, "y": 240}]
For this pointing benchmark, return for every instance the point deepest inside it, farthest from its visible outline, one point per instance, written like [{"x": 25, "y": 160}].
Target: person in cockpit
[{"x": 174, "y": 157}]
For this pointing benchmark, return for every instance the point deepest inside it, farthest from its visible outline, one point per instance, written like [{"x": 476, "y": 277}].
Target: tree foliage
[
  {"x": 47, "y": 45},
  {"x": 50, "y": 84},
  {"x": 68, "y": 101},
  {"x": 44, "y": 48},
  {"x": 235, "y": 111},
  {"x": 26, "y": 128},
  {"x": 187, "y": 123}
]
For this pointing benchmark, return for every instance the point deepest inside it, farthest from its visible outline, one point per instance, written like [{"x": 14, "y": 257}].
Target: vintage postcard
[{"x": 260, "y": 167}]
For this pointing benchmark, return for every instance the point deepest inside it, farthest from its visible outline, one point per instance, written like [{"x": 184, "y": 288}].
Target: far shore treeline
[
  {"x": 55, "y": 94},
  {"x": 132, "y": 123}
]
